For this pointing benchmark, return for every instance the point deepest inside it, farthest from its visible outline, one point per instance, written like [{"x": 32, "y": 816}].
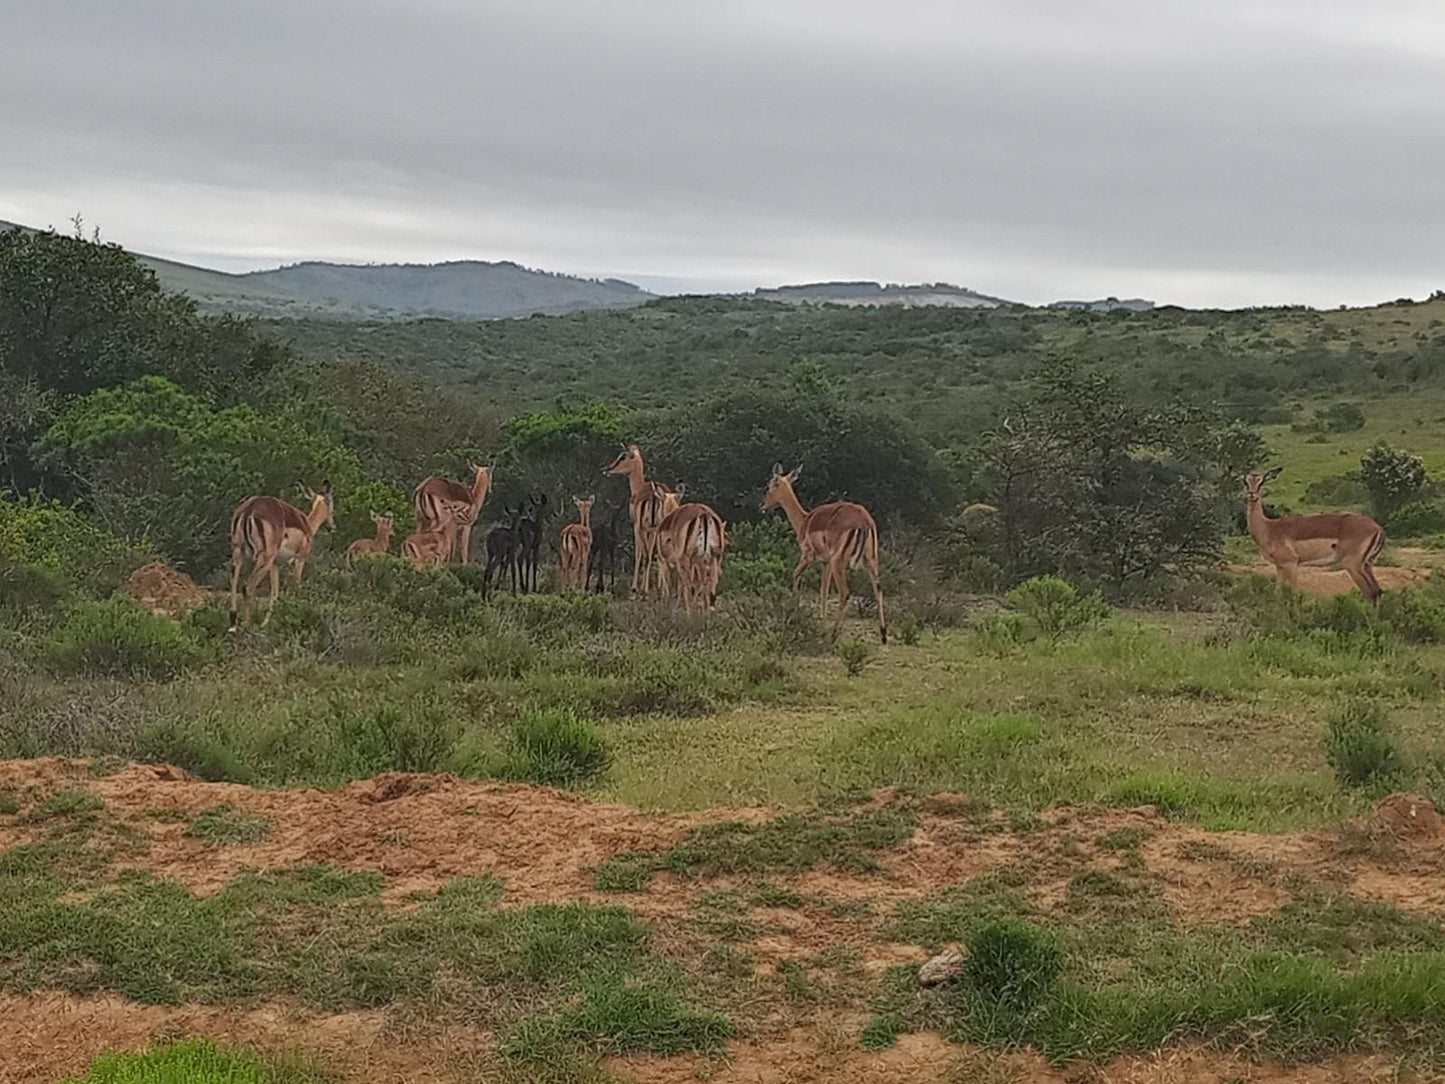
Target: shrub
[
  {"x": 908, "y": 629},
  {"x": 1056, "y": 607},
  {"x": 855, "y": 655},
  {"x": 1003, "y": 632},
  {"x": 1341, "y": 417},
  {"x": 120, "y": 638},
  {"x": 554, "y": 748},
  {"x": 1417, "y": 518},
  {"x": 1338, "y": 489},
  {"x": 1012, "y": 962},
  {"x": 1359, "y": 746},
  {"x": 1414, "y": 616},
  {"x": 1393, "y": 477},
  {"x": 61, "y": 541},
  {"x": 28, "y": 592}
]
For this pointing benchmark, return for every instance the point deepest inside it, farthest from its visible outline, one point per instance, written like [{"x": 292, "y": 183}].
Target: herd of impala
[
  {"x": 687, "y": 540},
  {"x": 672, "y": 539}
]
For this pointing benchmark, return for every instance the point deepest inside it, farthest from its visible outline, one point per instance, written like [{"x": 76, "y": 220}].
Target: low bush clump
[
  {"x": 1012, "y": 962},
  {"x": 855, "y": 655},
  {"x": 554, "y": 748},
  {"x": 120, "y": 638},
  {"x": 1359, "y": 745}
]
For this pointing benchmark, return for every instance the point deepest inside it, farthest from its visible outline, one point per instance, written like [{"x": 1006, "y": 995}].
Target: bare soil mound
[
  {"x": 163, "y": 590},
  {"x": 420, "y": 831}
]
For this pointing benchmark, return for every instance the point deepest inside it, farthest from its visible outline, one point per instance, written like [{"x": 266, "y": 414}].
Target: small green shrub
[
  {"x": 1414, "y": 616},
  {"x": 1003, "y": 632},
  {"x": 1056, "y": 607},
  {"x": 29, "y": 593},
  {"x": 882, "y": 1031},
  {"x": 554, "y": 748},
  {"x": 1012, "y": 962},
  {"x": 855, "y": 655},
  {"x": 908, "y": 629},
  {"x": 1417, "y": 518},
  {"x": 71, "y": 803},
  {"x": 120, "y": 638},
  {"x": 59, "y": 540},
  {"x": 1359, "y": 746}
]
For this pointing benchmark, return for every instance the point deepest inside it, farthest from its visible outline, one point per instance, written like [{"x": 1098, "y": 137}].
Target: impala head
[
  {"x": 481, "y": 475},
  {"x": 324, "y": 499},
  {"x": 779, "y": 485},
  {"x": 383, "y": 522},
  {"x": 584, "y": 505},
  {"x": 1254, "y": 482},
  {"x": 629, "y": 461}
]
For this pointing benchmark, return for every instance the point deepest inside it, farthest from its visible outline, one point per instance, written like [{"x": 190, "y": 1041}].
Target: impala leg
[
  {"x": 637, "y": 553},
  {"x": 275, "y": 574},
  {"x": 297, "y": 565},
  {"x": 824, "y": 584},
  {"x": 1365, "y": 580},
  {"x": 872, "y": 566},
  {"x": 464, "y": 542},
  {"x": 802, "y": 566},
  {"x": 840, "y": 576},
  {"x": 253, "y": 584},
  {"x": 237, "y": 558}
]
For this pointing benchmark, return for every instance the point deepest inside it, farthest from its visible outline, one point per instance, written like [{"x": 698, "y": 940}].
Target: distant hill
[
  {"x": 1107, "y": 304},
  {"x": 466, "y": 289},
  {"x": 940, "y": 294}
]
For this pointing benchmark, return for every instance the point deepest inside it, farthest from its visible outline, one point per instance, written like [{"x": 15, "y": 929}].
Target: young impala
[
  {"x": 380, "y": 544},
  {"x": 574, "y": 550},
  {"x": 269, "y": 530}
]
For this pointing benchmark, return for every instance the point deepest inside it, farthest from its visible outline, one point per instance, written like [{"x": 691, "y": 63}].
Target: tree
[
  {"x": 155, "y": 463},
  {"x": 1393, "y": 477}
]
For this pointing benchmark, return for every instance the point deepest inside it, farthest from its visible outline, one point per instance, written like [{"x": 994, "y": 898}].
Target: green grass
[
  {"x": 196, "y": 1061},
  {"x": 221, "y": 824}
]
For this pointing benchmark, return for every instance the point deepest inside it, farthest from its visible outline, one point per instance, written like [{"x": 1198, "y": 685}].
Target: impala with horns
[
  {"x": 691, "y": 539},
  {"x": 433, "y": 545},
  {"x": 1349, "y": 538},
  {"x": 649, "y": 504},
  {"x": 431, "y": 493},
  {"x": 841, "y": 534},
  {"x": 574, "y": 551},
  {"x": 380, "y": 544},
  {"x": 270, "y": 531}
]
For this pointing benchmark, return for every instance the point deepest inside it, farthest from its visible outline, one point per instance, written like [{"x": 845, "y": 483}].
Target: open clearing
[{"x": 805, "y": 949}]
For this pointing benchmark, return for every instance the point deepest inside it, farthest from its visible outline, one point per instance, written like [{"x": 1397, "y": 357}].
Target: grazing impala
[
  {"x": 1352, "y": 539},
  {"x": 841, "y": 534},
  {"x": 650, "y": 502},
  {"x": 433, "y": 546},
  {"x": 575, "y": 549},
  {"x": 691, "y": 539},
  {"x": 430, "y": 493},
  {"x": 270, "y": 530},
  {"x": 380, "y": 544}
]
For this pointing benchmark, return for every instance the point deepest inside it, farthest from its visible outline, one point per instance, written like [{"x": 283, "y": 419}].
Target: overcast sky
[{"x": 1219, "y": 152}]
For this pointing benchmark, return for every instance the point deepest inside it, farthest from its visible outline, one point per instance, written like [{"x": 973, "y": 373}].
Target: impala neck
[
  {"x": 584, "y": 517},
  {"x": 1256, "y": 519},
  {"x": 636, "y": 477},
  {"x": 794, "y": 509},
  {"x": 383, "y": 535},
  {"x": 480, "y": 485},
  {"x": 316, "y": 516}
]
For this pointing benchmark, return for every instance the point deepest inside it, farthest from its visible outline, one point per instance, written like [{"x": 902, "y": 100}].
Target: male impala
[
  {"x": 380, "y": 544},
  {"x": 691, "y": 539},
  {"x": 650, "y": 502},
  {"x": 433, "y": 546},
  {"x": 270, "y": 530},
  {"x": 575, "y": 549},
  {"x": 430, "y": 493},
  {"x": 841, "y": 534},
  {"x": 1352, "y": 539}
]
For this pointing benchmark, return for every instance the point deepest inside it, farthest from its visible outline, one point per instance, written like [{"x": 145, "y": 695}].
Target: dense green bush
[
  {"x": 1012, "y": 962},
  {"x": 554, "y": 748},
  {"x": 1393, "y": 477},
  {"x": 1417, "y": 518},
  {"x": 120, "y": 638},
  {"x": 55, "y": 539},
  {"x": 855, "y": 655},
  {"x": 1359, "y": 746},
  {"x": 1056, "y": 607},
  {"x": 1341, "y": 417},
  {"x": 1414, "y": 614},
  {"x": 1338, "y": 490}
]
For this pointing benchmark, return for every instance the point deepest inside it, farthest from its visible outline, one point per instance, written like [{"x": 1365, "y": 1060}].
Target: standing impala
[
  {"x": 380, "y": 544},
  {"x": 691, "y": 539},
  {"x": 434, "y": 545},
  {"x": 270, "y": 530},
  {"x": 841, "y": 534},
  {"x": 575, "y": 549},
  {"x": 431, "y": 493},
  {"x": 1352, "y": 539},
  {"x": 649, "y": 503}
]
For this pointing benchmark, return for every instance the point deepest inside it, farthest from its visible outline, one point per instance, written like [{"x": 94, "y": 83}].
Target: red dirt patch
[
  {"x": 1335, "y": 581},
  {"x": 1407, "y": 816},
  {"x": 163, "y": 590}
]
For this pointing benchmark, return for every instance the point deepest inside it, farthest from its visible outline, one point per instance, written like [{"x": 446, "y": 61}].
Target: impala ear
[
  {"x": 325, "y": 488},
  {"x": 796, "y": 471},
  {"x": 777, "y": 469},
  {"x": 1273, "y": 472}
]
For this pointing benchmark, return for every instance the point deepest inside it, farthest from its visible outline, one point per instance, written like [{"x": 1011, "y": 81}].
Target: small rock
[{"x": 945, "y": 967}]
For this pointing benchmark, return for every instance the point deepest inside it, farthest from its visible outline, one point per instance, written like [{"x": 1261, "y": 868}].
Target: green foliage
[
  {"x": 353, "y": 519},
  {"x": 1012, "y": 962},
  {"x": 1056, "y": 607},
  {"x": 118, "y": 637},
  {"x": 908, "y": 628},
  {"x": 1359, "y": 745},
  {"x": 195, "y": 1061},
  {"x": 59, "y": 541},
  {"x": 1341, "y": 417},
  {"x": 619, "y": 1018},
  {"x": 881, "y": 1032},
  {"x": 1417, "y": 518},
  {"x": 855, "y": 655},
  {"x": 554, "y": 748},
  {"x": 1393, "y": 478},
  {"x": 158, "y": 463},
  {"x": 1415, "y": 615},
  {"x": 1338, "y": 490}
]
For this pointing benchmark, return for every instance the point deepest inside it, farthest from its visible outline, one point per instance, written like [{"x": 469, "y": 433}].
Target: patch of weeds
[
  {"x": 1344, "y": 928},
  {"x": 9, "y": 801},
  {"x": 855, "y": 655},
  {"x": 768, "y": 894},
  {"x": 794, "y": 842},
  {"x": 166, "y": 816},
  {"x": 1123, "y": 839},
  {"x": 79, "y": 804},
  {"x": 882, "y": 1031},
  {"x": 100, "y": 767},
  {"x": 196, "y": 1061},
  {"x": 617, "y": 1017},
  {"x": 954, "y": 913},
  {"x": 554, "y": 748},
  {"x": 724, "y": 914},
  {"x": 220, "y": 824},
  {"x": 1012, "y": 962},
  {"x": 794, "y": 977},
  {"x": 1359, "y": 745},
  {"x": 1023, "y": 821},
  {"x": 628, "y": 872},
  {"x": 729, "y": 960}
]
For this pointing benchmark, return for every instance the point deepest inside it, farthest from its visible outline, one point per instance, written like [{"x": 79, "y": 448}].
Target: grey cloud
[{"x": 1227, "y": 153}]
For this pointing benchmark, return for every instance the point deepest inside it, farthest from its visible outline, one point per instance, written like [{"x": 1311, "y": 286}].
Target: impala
[
  {"x": 380, "y": 544},
  {"x": 575, "y": 548},
  {"x": 1352, "y": 539},
  {"x": 841, "y": 534},
  {"x": 691, "y": 539},
  {"x": 270, "y": 530},
  {"x": 649, "y": 503},
  {"x": 433, "y": 545},
  {"x": 430, "y": 493}
]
